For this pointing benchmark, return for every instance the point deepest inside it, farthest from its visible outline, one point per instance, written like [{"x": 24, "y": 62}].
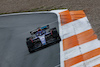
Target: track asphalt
[{"x": 14, "y": 29}]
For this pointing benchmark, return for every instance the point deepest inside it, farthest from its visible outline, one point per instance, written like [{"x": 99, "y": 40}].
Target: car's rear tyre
[
  {"x": 29, "y": 45},
  {"x": 54, "y": 33}
]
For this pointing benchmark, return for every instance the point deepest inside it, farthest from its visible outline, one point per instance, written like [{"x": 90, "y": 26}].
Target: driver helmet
[{"x": 39, "y": 29}]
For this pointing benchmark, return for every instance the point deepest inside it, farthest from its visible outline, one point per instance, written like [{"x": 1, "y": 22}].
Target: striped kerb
[
  {"x": 82, "y": 57},
  {"x": 80, "y": 45},
  {"x": 78, "y": 39}
]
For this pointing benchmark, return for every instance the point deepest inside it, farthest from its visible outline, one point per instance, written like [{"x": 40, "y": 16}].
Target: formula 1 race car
[{"x": 42, "y": 38}]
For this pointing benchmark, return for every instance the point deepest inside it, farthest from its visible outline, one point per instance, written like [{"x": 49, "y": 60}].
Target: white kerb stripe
[
  {"x": 81, "y": 25},
  {"x": 89, "y": 46},
  {"x": 67, "y": 30},
  {"x": 72, "y": 52}
]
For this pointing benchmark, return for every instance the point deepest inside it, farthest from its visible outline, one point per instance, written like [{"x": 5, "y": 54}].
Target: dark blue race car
[{"x": 42, "y": 38}]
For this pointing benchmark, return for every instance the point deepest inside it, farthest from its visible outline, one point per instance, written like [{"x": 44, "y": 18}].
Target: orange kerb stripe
[
  {"x": 75, "y": 15},
  {"x": 65, "y": 17},
  {"x": 86, "y": 36},
  {"x": 73, "y": 61},
  {"x": 70, "y": 42},
  {"x": 97, "y": 65},
  {"x": 91, "y": 54},
  {"x": 78, "y": 39},
  {"x": 82, "y": 57}
]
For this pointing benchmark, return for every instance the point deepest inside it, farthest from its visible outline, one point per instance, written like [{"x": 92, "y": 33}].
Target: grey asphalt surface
[{"x": 13, "y": 33}]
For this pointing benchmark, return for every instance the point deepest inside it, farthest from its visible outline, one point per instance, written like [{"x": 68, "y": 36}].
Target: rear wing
[
  {"x": 36, "y": 30},
  {"x": 45, "y": 27}
]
